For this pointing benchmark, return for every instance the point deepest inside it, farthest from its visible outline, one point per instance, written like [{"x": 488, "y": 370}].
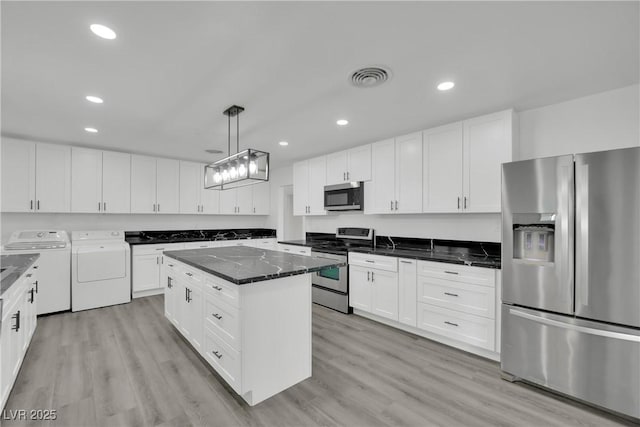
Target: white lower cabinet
[
  {"x": 372, "y": 289},
  {"x": 258, "y": 342},
  {"x": 407, "y": 291},
  {"x": 451, "y": 303},
  {"x": 148, "y": 276},
  {"x": 18, "y": 325}
]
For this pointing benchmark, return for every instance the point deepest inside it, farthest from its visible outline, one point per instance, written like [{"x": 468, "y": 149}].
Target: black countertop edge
[
  {"x": 310, "y": 239},
  {"x": 446, "y": 257},
  {"x": 179, "y": 256},
  {"x": 20, "y": 263},
  {"x": 182, "y": 236}
]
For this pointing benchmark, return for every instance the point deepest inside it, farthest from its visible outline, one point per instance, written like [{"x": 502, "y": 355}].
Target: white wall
[
  {"x": 602, "y": 121},
  {"x": 10, "y": 222}
]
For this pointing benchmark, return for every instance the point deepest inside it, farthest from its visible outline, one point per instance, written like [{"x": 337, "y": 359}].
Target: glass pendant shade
[{"x": 244, "y": 168}]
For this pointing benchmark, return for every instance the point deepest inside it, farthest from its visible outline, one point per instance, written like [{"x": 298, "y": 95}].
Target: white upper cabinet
[
  {"x": 86, "y": 180},
  {"x": 349, "y": 165},
  {"x": 261, "y": 199},
  {"x": 190, "y": 182},
  {"x": 488, "y": 142},
  {"x": 309, "y": 179},
  {"x": 462, "y": 164},
  {"x": 244, "y": 200},
  {"x": 301, "y": 188},
  {"x": 396, "y": 184},
  {"x": 18, "y": 176},
  {"x": 408, "y": 185},
  {"x": 167, "y": 186},
  {"x": 116, "y": 182},
  {"x": 53, "y": 178},
  {"x": 155, "y": 185},
  {"x": 228, "y": 199},
  {"x": 100, "y": 181},
  {"x": 209, "y": 199},
  {"x": 337, "y": 168},
  {"x": 442, "y": 176},
  {"x": 382, "y": 189},
  {"x": 143, "y": 184}
]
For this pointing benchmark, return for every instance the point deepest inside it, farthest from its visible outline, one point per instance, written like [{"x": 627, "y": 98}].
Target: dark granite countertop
[
  {"x": 181, "y": 236},
  {"x": 436, "y": 256},
  {"x": 13, "y": 267},
  {"x": 245, "y": 264},
  {"x": 478, "y": 254}
]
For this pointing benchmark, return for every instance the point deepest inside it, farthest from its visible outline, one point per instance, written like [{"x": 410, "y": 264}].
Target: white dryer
[
  {"x": 54, "y": 265},
  {"x": 100, "y": 269}
]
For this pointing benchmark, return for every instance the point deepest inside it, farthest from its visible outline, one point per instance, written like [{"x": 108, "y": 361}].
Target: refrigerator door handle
[
  {"x": 577, "y": 328},
  {"x": 564, "y": 225},
  {"x": 582, "y": 235}
]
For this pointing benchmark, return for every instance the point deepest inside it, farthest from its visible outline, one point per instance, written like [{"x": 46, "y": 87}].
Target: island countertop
[{"x": 244, "y": 264}]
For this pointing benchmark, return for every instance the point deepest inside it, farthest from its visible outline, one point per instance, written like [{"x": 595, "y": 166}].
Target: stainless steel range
[{"x": 331, "y": 285}]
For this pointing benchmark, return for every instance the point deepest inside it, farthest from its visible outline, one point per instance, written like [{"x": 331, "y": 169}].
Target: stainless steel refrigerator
[{"x": 571, "y": 276}]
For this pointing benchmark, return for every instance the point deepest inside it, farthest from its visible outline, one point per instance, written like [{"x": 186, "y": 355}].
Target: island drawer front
[
  {"x": 472, "y": 299},
  {"x": 457, "y": 273},
  {"x": 474, "y": 330},
  {"x": 379, "y": 262},
  {"x": 224, "y": 359},
  {"x": 224, "y": 319},
  {"x": 172, "y": 266},
  {"x": 294, "y": 249},
  {"x": 191, "y": 277},
  {"x": 226, "y": 292}
]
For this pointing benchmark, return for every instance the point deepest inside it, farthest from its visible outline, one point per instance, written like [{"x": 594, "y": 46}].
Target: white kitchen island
[{"x": 247, "y": 311}]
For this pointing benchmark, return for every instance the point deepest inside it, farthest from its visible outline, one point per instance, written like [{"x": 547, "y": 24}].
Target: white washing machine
[
  {"x": 54, "y": 265},
  {"x": 100, "y": 269}
]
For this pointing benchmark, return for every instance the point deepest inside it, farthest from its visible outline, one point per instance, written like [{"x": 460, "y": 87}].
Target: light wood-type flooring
[{"x": 127, "y": 366}]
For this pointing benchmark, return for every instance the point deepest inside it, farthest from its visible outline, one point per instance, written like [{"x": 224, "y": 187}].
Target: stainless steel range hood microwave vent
[{"x": 344, "y": 197}]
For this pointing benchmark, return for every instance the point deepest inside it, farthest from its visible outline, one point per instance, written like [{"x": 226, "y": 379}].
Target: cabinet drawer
[
  {"x": 155, "y": 249},
  {"x": 458, "y": 273},
  {"x": 190, "y": 276},
  {"x": 198, "y": 245},
  {"x": 475, "y": 330},
  {"x": 379, "y": 262},
  {"x": 472, "y": 299},
  {"x": 224, "y": 359},
  {"x": 223, "y": 319},
  {"x": 221, "y": 290},
  {"x": 294, "y": 249}
]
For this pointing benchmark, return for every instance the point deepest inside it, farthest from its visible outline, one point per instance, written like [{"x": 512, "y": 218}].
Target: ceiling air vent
[{"x": 369, "y": 77}]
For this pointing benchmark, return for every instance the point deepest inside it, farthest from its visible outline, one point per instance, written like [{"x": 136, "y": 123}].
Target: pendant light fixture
[{"x": 245, "y": 167}]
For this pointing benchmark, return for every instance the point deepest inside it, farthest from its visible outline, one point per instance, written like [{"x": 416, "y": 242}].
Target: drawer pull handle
[
  {"x": 189, "y": 274},
  {"x": 217, "y": 288},
  {"x": 217, "y": 316},
  {"x": 216, "y": 354},
  {"x": 170, "y": 265},
  {"x": 450, "y": 294},
  {"x": 29, "y": 275},
  {"x": 406, "y": 262},
  {"x": 450, "y": 323},
  {"x": 451, "y": 272},
  {"x": 368, "y": 260},
  {"x": 16, "y": 316},
  {"x": 159, "y": 249}
]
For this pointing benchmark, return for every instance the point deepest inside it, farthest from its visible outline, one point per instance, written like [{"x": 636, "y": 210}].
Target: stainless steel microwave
[{"x": 344, "y": 197}]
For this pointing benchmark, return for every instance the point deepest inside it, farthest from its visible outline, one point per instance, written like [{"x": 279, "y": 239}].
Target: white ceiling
[{"x": 175, "y": 66}]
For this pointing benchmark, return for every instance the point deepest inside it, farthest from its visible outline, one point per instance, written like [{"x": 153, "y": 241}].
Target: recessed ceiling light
[
  {"x": 94, "y": 99},
  {"x": 91, "y": 130},
  {"x": 102, "y": 31},
  {"x": 283, "y": 143},
  {"x": 342, "y": 122},
  {"x": 446, "y": 85}
]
